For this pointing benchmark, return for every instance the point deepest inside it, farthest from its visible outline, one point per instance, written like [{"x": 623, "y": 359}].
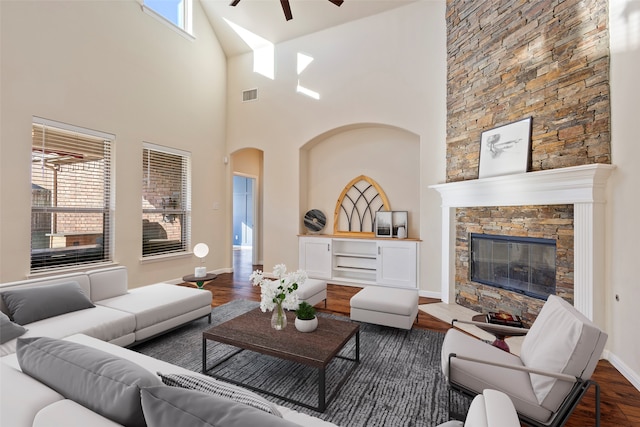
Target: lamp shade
[{"x": 201, "y": 250}]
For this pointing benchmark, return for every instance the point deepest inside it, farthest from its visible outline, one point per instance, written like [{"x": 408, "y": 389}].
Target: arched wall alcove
[{"x": 387, "y": 154}]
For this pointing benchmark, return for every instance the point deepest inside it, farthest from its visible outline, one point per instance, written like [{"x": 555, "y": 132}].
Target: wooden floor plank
[{"x": 620, "y": 401}]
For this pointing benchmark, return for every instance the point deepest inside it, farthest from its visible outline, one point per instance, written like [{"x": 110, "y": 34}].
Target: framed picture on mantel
[{"x": 505, "y": 150}]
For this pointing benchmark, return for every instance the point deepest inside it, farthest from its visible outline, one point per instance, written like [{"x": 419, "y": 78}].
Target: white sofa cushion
[
  {"x": 569, "y": 349},
  {"x": 22, "y": 397},
  {"x": 100, "y": 322},
  {"x": 154, "y": 304},
  {"x": 108, "y": 282},
  {"x": 68, "y": 413}
]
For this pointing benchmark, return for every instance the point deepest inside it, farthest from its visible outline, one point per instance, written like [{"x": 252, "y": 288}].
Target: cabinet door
[
  {"x": 397, "y": 264},
  {"x": 315, "y": 257}
]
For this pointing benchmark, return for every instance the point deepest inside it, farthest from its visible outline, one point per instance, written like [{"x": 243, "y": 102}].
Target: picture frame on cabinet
[
  {"x": 384, "y": 224},
  {"x": 400, "y": 224},
  {"x": 505, "y": 150}
]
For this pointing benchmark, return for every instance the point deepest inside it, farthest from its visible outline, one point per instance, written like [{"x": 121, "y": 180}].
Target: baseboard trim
[
  {"x": 429, "y": 294},
  {"x": 623, "y": 368}
]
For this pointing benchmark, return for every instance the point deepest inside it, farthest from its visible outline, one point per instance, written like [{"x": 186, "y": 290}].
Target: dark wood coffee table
[{"x": 252, "y": 331}]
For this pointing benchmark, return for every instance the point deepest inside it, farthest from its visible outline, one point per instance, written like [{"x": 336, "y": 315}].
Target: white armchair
[
  {"x": 492, "y": 408},
  {"x": 546, "y": 382}
]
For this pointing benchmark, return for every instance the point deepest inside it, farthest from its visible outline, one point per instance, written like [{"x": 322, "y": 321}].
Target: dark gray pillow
[
  {"x": 172, "y": 406},
  {"x": 8, "y": 329},
  {"x": 30, "y": 304},
  {"x": 99, "y": 381}
]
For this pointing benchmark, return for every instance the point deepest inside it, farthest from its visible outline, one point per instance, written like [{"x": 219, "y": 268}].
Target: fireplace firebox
[{"x": 525, "y": 265}]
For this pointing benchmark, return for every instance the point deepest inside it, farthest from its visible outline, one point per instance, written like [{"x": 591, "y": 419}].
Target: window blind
[
  {"x": 166, "y": 200},
  {"x": 70, "y": 195}
]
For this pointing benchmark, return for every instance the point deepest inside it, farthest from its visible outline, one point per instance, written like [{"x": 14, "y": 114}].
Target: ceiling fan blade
[
  {"x": 234, "y": 2},
  {"x": 286, "y": 8},
  {"x": 336, "y": 2}
]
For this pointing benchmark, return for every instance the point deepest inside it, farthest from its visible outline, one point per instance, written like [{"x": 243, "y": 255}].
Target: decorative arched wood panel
[{"x": 356, "y": 208}]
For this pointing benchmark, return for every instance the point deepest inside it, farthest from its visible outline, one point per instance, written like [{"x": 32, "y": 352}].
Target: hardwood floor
[{"x": 620, "y": 401}]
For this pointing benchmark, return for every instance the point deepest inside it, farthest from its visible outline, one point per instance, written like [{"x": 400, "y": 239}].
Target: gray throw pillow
[
  {"x": 220, "y": 389},
  {"x": 99, "y": 381},
  {"x": 173, "y": 406},
  {"x": 30, "y": 304},
  {"x": 8, "y": 329}
]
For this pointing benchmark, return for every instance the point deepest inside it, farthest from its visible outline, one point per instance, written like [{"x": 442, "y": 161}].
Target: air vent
[{"x": 249, "y": 95}]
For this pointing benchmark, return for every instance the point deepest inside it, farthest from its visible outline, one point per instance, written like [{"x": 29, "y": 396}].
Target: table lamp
[{"x": 201, "y": 250}]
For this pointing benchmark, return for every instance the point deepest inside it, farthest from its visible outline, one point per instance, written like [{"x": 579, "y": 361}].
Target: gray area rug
[{"x": 397, "y": 383}]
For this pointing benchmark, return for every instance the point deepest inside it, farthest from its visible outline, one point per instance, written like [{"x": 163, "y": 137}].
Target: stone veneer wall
[
  {"x": 512, "y": 59},
  {"x": 548, "y": 222}
]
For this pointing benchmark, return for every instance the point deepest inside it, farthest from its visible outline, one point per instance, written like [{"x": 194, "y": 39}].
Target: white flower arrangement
[{"x": 281, "y": 290}]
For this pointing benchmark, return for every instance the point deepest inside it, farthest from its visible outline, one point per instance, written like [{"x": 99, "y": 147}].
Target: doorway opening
[{"x": 244, "y": 192}]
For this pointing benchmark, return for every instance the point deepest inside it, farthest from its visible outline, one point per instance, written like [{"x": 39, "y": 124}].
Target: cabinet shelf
[
  {"x": 355, "y": 255},
  {"x": 350, "y": 268}
]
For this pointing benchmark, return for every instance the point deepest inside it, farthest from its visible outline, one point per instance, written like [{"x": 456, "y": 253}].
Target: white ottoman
[
  {"x": 381, "y": 305},
  {"x": 313, "y": 291}
]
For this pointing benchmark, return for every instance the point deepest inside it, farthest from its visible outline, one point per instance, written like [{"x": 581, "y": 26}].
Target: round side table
[
  {"x": 199, "y": 281},
  {"x": 496, "y": 332}
]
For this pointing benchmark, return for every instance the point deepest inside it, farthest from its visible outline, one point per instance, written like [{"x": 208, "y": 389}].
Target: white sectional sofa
[
  {"x": 109, "y": 317},
  {"x": 120, "y": 315},
  {"x": 25, "y": 401}
]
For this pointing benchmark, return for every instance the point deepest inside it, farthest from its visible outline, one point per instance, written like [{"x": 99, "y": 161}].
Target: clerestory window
[
  {"x": 71, "y": 195},
  {"x": 166, "y": 200},
  {"x": 176, "y": 12}
]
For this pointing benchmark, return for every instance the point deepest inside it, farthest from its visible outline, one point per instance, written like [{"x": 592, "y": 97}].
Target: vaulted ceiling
[{"x": 266, "y": 19}]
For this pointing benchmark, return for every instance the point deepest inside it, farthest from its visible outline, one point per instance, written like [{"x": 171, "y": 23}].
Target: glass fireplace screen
[{"x": 520, "y": 264}]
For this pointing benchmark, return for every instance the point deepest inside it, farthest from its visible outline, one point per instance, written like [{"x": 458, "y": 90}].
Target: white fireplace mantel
[{"x": 583, "y": 186}]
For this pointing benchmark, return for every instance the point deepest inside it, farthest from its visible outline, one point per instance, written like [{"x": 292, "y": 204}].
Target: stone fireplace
[{"x": 580, "y": 189}]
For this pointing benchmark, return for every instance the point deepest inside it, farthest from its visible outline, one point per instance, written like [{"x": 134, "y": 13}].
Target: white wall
[
  {"x": 388, "y": 69},
  {"x": 623, "y": 205},
  {"x": 106, "y": 65},
  {"x": 389, "y": 156}
]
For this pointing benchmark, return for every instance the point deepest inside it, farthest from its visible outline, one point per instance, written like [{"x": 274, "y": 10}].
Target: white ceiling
[{"x": 265, "y": 18}]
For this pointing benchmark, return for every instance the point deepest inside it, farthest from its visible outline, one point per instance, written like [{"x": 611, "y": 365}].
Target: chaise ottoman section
[
  {"x": 313, "y": 291},
  {"x": 103, "y": 323},
  {"x": 385, "y": 306},
  {"x": 160, "y": 307}
]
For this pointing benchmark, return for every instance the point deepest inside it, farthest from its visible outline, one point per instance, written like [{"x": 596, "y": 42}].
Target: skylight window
[{"x": 176, "y": 12}]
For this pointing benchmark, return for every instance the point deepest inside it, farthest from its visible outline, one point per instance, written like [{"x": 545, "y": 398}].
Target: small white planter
[{"x": 306, "y": 325}]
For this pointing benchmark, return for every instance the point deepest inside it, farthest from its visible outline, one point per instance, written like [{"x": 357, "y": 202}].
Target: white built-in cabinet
[
  {"x": 357, "y": 261},
  {"x": 315, "y": 257}
]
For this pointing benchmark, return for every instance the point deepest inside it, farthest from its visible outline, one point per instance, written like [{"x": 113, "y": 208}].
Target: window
[
  {"x": 166, "y": 200},
  {"x": 176, "y": 12},
  {"x": 70, "y": 195}
]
